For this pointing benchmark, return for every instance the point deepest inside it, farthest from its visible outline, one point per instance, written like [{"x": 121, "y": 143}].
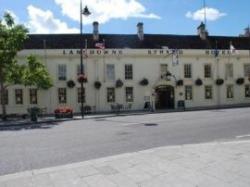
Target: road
[{"x": 74, "y": 141}]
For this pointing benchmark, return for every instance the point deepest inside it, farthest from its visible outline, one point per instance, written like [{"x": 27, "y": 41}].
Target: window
[
  {"x": 62, "y": 95},
  {"x": 129, "y": 94},
  {"x": 79, "y": 96},
  {"x": 33, "y": 96},
  {"x": 110, "y": 95},
  {"x": 62, "y": 71},
  {"x": 164, "y": 70},
  {"x": 128, "y": 71},
  {"x": 208, "y": 92},
  {"x": 5, "y": 98},
  {"x": 19, "y": 96},
  {"x": 229, "y": 71},
  {"x": 187, "y": 71},
  {"x": 188, "y": 93},
  {"x": 247, "y": 70},
  {"x": 110, "y": 72},
  {"x": 247, "y": 91},
  {"x": 207, "y": 71},
  {"x": 79, "y": 69},
  {"x": 230, "y": 91}
]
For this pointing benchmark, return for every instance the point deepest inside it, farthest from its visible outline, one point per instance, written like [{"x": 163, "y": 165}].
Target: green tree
[{"x": 31, "y": 73}]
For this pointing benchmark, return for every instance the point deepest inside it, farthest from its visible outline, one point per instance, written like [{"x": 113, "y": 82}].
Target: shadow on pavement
[{"x": 44, "y": 126}]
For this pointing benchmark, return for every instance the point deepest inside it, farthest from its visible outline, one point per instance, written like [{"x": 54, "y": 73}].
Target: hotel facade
[{"x": 137, "y": 71}]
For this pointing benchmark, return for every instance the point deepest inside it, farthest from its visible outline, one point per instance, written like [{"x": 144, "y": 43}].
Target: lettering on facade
[{"x": 219, "y": 52}]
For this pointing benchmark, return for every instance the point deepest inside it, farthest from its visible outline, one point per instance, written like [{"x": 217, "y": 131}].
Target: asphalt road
[{"x": 73, "y": 141}]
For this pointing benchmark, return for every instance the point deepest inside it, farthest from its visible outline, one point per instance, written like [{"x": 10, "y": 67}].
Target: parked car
[{"x": 63, "y": 112}]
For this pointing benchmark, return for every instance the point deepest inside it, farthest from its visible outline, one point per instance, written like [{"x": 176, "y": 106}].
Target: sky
[{"x": 224, "y": 17}]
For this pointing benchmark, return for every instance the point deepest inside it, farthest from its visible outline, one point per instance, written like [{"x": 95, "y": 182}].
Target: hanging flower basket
[
  {"x": 97, "y": 85},
  {"x": 179, "y": 83},
  {"x": 119, "y": 83},
  {"x": 144, "y": 82},
  {"x": 219, "y": 81},
  {"x": 240, "y": 81},
  {"x": 198, "y": 82},
  {"x": 71, "y": 84},
  {"x": 82, "y": 78}
]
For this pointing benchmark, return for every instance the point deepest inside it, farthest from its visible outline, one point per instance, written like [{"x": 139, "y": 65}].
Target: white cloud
[
  {"x": 212, "y": 14},
  {"x": 43, "y": 21},
  {"x": 104, "y": 10}
]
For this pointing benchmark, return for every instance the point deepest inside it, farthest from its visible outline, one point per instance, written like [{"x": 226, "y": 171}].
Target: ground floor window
[
  {"x": 188, "y": 93},
  {"x": 5, "y": 96},
  {"x": 129, "y": 94},
  {"x": 19, "y": 96},
  {"x": 110, "y": 95},
  {"x": 62, "y": 95},
  {"x": 230, "y": 91},
  {"x": 81, "y": 98},
  {"x": 208, "y": 92},
  {"x": 247, "y": 91},
  {"x": 33, "y": 96}
]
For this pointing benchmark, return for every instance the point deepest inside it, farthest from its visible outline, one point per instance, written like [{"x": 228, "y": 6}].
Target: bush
[
  {"x": 240, "y": 81},
  {"x": 219, "y": 81},
  {"x": 71, "y": 84},
  {"x": 97, "y": 84},
  {"x": 119, "y": 83},
  {"x": 198, "y": 82},
  {"x": 144, "y": 82}
]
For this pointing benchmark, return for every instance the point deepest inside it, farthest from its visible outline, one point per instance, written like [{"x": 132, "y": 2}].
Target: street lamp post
[{"x": 84, "y": 12}]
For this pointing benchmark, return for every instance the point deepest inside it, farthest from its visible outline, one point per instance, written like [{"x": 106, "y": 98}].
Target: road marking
[{"x": 243, "y": 136}]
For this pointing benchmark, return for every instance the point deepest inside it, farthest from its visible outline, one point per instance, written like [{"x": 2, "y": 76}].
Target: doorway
[{"x": 165, "y": 97}]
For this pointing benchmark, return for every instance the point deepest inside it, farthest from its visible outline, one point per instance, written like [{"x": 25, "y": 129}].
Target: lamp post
[{"x": 84, "y": 12}]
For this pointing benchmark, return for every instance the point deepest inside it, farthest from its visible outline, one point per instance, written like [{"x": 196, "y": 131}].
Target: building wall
[{"x": 145, "y": 65}]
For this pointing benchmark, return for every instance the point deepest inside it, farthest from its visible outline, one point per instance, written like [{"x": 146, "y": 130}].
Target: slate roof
[{"x": 151, "y": 41}]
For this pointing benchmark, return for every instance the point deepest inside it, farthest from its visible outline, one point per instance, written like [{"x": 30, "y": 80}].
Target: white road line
[{"x": 243, "y": 136}]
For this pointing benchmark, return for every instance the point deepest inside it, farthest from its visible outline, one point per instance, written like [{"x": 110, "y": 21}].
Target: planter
[
  {"x": 144, "y": 82},
  {"x": 97, "y": 85},
  {"x": 198, "y": 82},
  {"x": 179, "y": 83},
  {"x": 71, "y": 84},
  {"x": 240, "y": 81},
  {"x": 82, "y": 78},
  {"x": 219, "y": 81},
  {"x": 119, "y": 83}
]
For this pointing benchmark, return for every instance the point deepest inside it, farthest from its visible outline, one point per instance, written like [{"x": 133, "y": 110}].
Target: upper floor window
[
  {"x": 110, "y": 71},
  {"x": 208, "y": 92},
  {"x": 19, "y": 96},
  {"x": 128, "y": 71},
  {"x": 247, "y": 70},
  {"x": 33, "y": 96},
  {"x": 62, "y": 95},
  {"x": 229, "y": 71},
  {"x": 188, "y": 93},
  {"x": 62, "y": 72},
  {"x": 5, "y": 96},
  {"x": 129, "y": 94},
  {"x": 164, "y": 70},
  {"x": 187, "y": 71},
  {"x": 207, "y": 71}
]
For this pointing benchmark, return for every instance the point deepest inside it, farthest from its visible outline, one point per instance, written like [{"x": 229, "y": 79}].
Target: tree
[{"x": 31, "y": 73}]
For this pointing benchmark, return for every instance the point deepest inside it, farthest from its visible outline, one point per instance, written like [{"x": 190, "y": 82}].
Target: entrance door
[{"x": 165, "y": 97}]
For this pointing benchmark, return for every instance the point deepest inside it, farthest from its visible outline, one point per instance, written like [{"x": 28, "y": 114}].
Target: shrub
[
  {"x": 71, "y": 84},
  {"x": 219, "y": 81},
  {"x": 198, "y": 82},
  {"x": 119, "y": 83},
  {"x": 240, "y": 81},
  {"x": 97, "y": 84},
  {"x": 144, "y": 82}
]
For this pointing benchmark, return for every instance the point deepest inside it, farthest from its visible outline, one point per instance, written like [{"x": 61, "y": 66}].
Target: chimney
[
  {"x": 202, "y": 32},
  {"x": 140, "y": 32},
  {"x": 95, "y": 31}
]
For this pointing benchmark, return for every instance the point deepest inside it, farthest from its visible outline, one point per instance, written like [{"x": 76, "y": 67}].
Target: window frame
[
  {"x": 5, "y": 97},
  {"x": 62, "y": 72},
  {"x": 19, "y": 95},
  {"x": 247, "y": 91},
  {"x": 110, "y": 75},
  {"x": 128, "y": 71},
  {"x": 188, "y": 71},
  {"x": 110, "y": 90},
  {"x": 62, "y": 92},
  {"x": 188, "y": 89},
  {"x": 231, "y": 86},
  {"x": 33, "y": 93},
  {"x": 207, "y": 72},
  {"x": 79, "y": 99},
  {"x": 206, "y": 88},
  {"x": 131, "y": 94}
]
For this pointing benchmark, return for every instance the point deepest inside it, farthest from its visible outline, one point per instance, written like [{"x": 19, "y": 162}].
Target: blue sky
[{"x": 224, "y": 17}]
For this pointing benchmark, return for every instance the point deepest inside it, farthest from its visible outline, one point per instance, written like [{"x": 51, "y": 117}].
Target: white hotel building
[{"x": 157, "y": 69}]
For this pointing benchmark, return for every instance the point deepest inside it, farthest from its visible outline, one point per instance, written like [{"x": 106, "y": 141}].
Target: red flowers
[{"x": 82, "y": 78}]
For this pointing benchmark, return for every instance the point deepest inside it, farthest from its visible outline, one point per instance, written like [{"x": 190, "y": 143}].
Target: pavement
[{"x": 206, "y": 164}]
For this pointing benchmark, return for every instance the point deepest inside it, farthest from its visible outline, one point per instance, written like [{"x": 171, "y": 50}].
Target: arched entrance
[{"x": 164, "y": 97}]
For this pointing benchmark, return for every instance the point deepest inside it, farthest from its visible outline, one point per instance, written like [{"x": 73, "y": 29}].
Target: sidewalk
[{"x": 208, "y": 164}]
